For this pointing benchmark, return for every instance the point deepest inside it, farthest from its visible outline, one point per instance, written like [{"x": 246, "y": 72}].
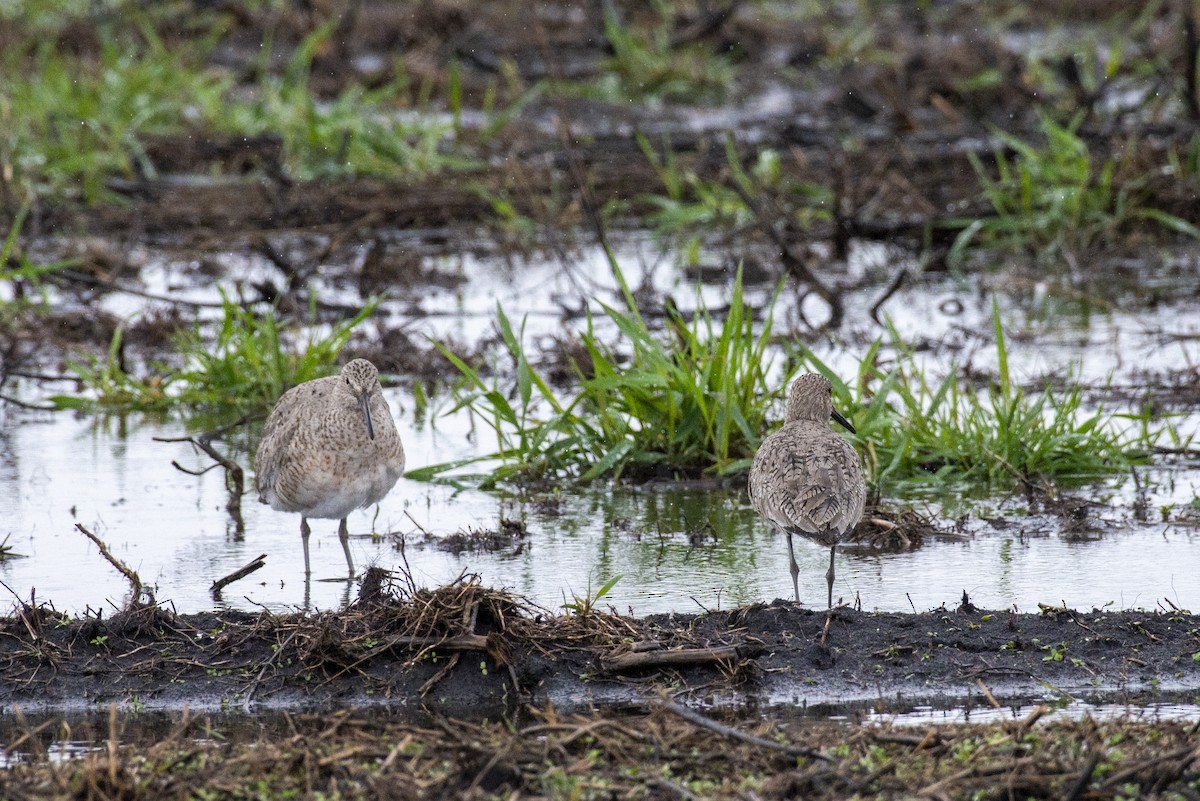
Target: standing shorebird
[
  {"x": 329, "y": 447},
  {"x": 807, "y": 480}
]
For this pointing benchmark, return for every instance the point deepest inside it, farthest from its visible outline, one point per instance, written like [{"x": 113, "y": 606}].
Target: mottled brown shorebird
[
  {"x": 807, "y": 480},
  {"x": 329, "y": 447}
]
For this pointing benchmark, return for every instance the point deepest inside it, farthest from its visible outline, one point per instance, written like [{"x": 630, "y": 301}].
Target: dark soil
[{"x": 474, "y": 652}]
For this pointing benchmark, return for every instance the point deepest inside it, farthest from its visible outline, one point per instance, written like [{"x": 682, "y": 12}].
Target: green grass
[
  {"x": 69, "y": 123},
  {"x": 242, "y": 370},
  {"x": 647, "y": 67},
  {"x": 360, "y": 132},
  {"x": 913, "y": 431},
  {"x": 75, "y": 121},
  {"x": 1055, "y": 201},
  {"x": 692, "y": 206},
  {"x": 695, "y": 400},
  {"x": 693, "y": 404}
]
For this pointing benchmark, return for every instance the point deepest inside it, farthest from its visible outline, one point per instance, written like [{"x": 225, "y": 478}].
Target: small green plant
[
  {"x": 694, "y": 206},
  {"x": 647, "y": 66},
  {"x": 112, "y": 388},
  {"x": 1054, "y": 200},
  {"x": 359, "y": 132},
  {"x": 1057, "y": 652},
  {"x": 582, "y": 606}
]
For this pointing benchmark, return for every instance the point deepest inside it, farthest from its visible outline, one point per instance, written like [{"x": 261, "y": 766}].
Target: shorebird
[
  {"x": 329, "y": 447},
  {"x": 807, "y": 480}
]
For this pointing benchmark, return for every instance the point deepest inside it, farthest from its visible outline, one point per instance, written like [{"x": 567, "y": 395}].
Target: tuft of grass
[
  {"x": 587, "y": 604},
  {"x": 111, "y": 388},
  {"x": 1055, "y": 201},
  {"x": 69, "y": 124},
  {"x": 915, "y": 431},
  {"x": 692, "y": 205},
  {"x": 647, "y": 66},
  {"x": 701, "y": 405},
  {"x": 695, "y": 404},
  {"x": 244, "y": 369},
  {"x": 360, "y": 132}
]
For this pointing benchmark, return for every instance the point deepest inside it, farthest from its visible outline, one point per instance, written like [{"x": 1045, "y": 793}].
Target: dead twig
[
  {"x": 792, "y": 264},
  {"x": 635, "y": 660},
  {"x": 693, "y": 716},
  {"x": 125, "y": 570},
  {"x": 256, "y": 564},
  {"x": 235, "y": 481}
]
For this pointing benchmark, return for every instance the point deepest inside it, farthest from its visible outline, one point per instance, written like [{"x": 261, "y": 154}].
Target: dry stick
[
  {"x": 1187, "y": 754},
  {"x": 736, "y": 734},
  {"x": 266, "y": 663},
  {"x": 241, "y": 572},
  {"x": 1191, "y": 44},
  {"x": 987, "y": 693},
  {"x": 459, "y": 642},
  {"x": 633, "y": 660},
  {"x": 129, "y": 573},
  {"x": 794, "y": 265},
  {"x": 892, "y": 289},
  {"x": 1086, "y": 776},
  {"x": 25, "y": 405},
  {"x": 234, "y": 476}
]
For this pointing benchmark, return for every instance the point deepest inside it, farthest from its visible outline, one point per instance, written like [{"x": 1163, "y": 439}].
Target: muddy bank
[{"x": 470, "y": 651}]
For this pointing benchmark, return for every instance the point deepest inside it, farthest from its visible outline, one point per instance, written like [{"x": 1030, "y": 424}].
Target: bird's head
[
  {"x": 811, "y": 398},
  {"x": 361, "y": 379}
]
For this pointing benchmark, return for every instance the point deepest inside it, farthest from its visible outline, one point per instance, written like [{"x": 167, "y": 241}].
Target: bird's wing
[
  {"x": 278, "y": 432},
  {"x": 806, "y": 488}
]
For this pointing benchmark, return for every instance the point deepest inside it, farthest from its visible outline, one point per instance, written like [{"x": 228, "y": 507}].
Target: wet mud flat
[
  {"x": 469, "y": 692},
  {"x": 466, "y": 650}
]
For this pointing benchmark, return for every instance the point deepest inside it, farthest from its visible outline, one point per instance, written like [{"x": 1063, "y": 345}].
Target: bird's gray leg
[
  {"x": 829, "y": 607},
  {"x": 304, "y": 532},
  {"x": 794, "y": 568},
  {"x": 829, "y": 576},
  {"x": 344, "y": 536}
]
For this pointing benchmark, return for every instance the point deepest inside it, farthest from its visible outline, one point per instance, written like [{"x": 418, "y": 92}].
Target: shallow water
[
  {"x": 172, "y": 528},
  {"x": 111, "y": 477}
]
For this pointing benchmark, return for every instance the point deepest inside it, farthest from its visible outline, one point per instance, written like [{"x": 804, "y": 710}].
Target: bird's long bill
[
  {"x": 366, "y": 407},
  {"x": 843, "y": 421}
]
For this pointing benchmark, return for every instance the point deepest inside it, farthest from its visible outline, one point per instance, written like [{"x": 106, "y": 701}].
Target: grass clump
[
  {"x": 360, "y": 132},
  {"x": 691, "y": 406},
  {"x": 915, "y": 431},
  {"x": 701, "y": 405},
  {"x": 243, "y": 370},
  {"x": 1053, "y": 200},
  {"x": 69, "y": 123},
  {"x": 647, "y": 66},
  {"x": 693, "y": 206}
]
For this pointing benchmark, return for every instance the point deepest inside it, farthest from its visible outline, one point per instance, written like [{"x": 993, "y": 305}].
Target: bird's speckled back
[{"x": 805, "y": 478}]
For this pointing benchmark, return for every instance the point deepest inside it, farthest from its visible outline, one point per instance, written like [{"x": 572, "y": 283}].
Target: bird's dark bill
[
  {"x": 843, "y": 422},
  {"x": 366, "y": 407}
]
